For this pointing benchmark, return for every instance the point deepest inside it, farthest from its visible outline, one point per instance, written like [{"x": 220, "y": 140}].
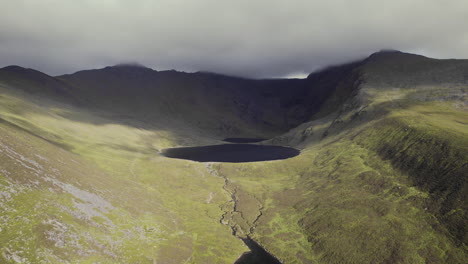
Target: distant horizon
[
  {"x": 297, "y": 75},
  {"x": 251, "y": 39}
]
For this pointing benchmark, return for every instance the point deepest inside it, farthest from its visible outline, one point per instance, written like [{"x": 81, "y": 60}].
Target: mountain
[
  {"x": 35, "y": 82},
  {"x": 223, "y": 104},
  {"x": 381, "y": 178}
]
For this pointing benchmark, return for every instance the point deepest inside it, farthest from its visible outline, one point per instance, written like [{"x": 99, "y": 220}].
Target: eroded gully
[{"x": 257, "y": 253}]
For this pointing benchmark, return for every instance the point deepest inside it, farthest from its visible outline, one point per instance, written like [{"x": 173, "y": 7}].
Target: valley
[{"x": 374, "y": 170}]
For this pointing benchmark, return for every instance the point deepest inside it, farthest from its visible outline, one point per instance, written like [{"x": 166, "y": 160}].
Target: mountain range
[{"x": 381, "y": 178}]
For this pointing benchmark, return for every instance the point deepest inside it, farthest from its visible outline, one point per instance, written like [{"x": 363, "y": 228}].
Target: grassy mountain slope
[
  {"x": 381, "y": 177},
  {"x": 98, "y": 192},
  {"x": 382, "y": 180}
]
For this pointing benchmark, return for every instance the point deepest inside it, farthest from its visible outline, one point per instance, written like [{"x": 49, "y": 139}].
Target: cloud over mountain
[{"x": 247, "y": 38}]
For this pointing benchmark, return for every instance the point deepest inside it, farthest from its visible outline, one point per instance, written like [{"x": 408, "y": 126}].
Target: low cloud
[{"x": 260, "y": 38}]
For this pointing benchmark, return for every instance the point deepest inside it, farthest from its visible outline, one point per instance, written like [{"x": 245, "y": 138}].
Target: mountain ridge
[
  {"x": 252, "y": 107},
  {"x": 381, "y": 176}
]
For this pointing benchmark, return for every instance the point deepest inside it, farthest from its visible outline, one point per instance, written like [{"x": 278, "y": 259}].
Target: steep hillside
[
  {"x": 35, "y": 82},
  {"x": 76, "y": 187},
  {"x": 381, "y": 178},
  {"x": 224, "y": 105}
]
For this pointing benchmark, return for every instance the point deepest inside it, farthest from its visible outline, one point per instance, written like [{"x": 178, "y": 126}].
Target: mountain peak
[
  {"x": 18, "y": 70},
  {"x": 387, "y": 51},
  {"x": 14, "y": 68},
  {"x": 130, "y": 65},
  {"x": 392, "y": 54}
]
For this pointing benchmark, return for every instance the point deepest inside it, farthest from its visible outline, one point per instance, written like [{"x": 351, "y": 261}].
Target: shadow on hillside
[{"x": 256, "y": 255}]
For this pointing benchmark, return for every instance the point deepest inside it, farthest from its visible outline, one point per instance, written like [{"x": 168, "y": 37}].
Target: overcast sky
[{"x": 252, "y": 38}]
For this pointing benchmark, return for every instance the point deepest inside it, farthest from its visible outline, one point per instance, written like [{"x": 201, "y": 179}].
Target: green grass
[
  {"x": 386, "y": 186},
  {"x": 159, "y": 206},
  {"x": 381, "y": 184}
]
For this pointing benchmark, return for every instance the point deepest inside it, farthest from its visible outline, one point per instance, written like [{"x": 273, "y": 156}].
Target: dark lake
[
  {"x": 243, "y": 140},
  {"x": 231, "y": 153}
]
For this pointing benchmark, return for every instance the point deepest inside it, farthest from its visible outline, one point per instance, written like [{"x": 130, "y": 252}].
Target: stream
[{"x": 257, "y": 254}]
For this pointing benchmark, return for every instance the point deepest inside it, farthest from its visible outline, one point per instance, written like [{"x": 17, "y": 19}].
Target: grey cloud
[{"x": 263, "y": 38}]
